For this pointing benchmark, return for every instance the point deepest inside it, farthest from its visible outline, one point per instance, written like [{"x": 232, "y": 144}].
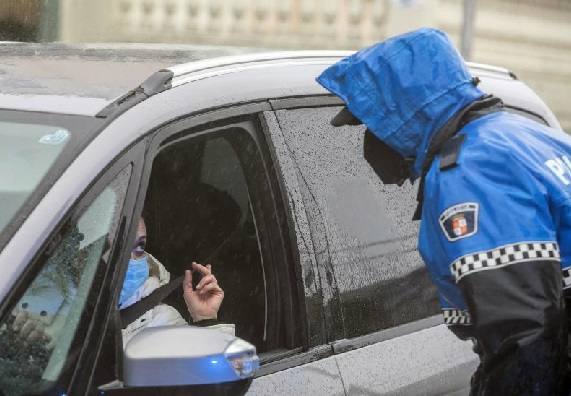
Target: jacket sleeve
[{"x": 488, "y": 225}]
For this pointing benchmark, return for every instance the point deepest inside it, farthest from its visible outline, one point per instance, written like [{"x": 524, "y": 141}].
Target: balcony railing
[{"x": 339, "y": 23}]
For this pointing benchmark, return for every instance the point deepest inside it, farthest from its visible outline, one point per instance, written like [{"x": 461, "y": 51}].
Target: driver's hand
[
  {"x": 204, "y": 302},
  {"x": 30, "y": 329}
]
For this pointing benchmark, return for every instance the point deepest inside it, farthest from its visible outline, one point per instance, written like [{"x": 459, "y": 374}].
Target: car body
[{"x": 233, "y": 160}]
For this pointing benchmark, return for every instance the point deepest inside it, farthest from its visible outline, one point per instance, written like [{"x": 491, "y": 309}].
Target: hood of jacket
[{"x": 404, "y": 89}]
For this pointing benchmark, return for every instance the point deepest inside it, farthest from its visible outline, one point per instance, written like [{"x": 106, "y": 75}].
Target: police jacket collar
[{"x": 442, "y": 140}]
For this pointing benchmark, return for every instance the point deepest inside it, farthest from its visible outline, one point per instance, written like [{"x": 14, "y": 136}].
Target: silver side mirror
[{"x": 185, "y": 355}]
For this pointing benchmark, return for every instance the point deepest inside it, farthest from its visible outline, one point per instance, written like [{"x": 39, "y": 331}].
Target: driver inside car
[{"x": 145, "y": 274}]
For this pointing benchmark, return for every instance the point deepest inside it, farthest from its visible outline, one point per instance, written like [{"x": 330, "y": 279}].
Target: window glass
[
  {"x": 198, "y": 208},
  {"x": 369, "y": 247},
  {"x": 221, "y": 169},
  {"x": 26, "y": 153},
  {"x": 36, "y": 337}
]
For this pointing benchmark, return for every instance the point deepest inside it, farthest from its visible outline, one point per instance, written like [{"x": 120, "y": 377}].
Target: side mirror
[{"x": 182, "y": 356}]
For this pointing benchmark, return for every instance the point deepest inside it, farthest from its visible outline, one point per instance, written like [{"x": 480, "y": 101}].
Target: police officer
[{"x": 494, "y": 202}]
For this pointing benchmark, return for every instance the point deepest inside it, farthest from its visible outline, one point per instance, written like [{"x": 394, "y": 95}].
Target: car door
[
  {"x": 52, "y": 322},
  {"x": 381, "y": 312},
  {"x": 210, "y": 193}
]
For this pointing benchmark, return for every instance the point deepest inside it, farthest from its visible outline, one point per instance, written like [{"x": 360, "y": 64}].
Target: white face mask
[{"x": 137, "y": 274}]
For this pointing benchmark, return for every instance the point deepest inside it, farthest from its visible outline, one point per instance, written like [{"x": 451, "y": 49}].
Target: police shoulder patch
[{"x": 459, "y": 221}]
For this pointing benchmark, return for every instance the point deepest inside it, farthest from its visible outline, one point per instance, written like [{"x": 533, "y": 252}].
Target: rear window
[{"x": 363, "y": 230}]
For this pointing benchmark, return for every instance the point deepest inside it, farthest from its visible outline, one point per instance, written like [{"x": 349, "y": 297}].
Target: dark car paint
[{"x": 216, "y": 98}]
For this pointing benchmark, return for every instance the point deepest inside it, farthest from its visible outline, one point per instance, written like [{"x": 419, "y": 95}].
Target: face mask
[{"x": 137, "y": 274}]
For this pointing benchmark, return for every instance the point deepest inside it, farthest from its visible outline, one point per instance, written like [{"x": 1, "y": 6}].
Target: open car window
[{"x": 205, "y": 203}]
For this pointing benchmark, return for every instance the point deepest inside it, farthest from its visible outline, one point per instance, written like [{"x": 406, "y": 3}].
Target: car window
[
  {"x": 201, "y": 206},
  {"x": 36, "y": 337},
  {"x": 368, "y": 246}
]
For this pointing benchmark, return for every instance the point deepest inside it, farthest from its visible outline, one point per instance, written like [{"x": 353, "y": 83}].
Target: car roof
[
  {"x": 226, "y": 81},
  {"x": 193, "y": 71},
  {"x": 84, "y": 78}
]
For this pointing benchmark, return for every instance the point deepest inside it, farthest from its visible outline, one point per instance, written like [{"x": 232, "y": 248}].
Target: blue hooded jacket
[
  {"x": 507, "y": 201},
  {"x": 404, "y": 89}
]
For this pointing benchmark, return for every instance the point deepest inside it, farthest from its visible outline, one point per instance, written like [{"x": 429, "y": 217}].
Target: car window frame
[
  {"x": 197, "y": 124},
  {"x": 332, "y": 311}
]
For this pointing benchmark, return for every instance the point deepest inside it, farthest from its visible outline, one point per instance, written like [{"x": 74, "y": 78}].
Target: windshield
[
  {"x": 35, "y": 148},
  {"x": 26, "y": 153}
]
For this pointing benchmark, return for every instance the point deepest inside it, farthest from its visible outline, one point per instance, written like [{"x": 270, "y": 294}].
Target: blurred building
[
  {"x": 19, "y": 20},
  {"x": 530, "y": 37}
]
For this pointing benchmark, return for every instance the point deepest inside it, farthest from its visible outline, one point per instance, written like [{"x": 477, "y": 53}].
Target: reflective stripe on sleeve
[
  {"x": 503, "y": 256},
  {"x": 456, "y": 317}
]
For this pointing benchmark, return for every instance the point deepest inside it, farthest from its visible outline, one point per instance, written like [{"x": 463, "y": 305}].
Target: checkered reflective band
[
  {"x": 566, "y": 277},
  {"x": 504, "y": 256},
  {"x": 456, "y": 317}
]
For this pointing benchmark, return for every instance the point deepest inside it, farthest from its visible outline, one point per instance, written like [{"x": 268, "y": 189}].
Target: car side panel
[
  {"x": 317, "y": 378},
  {"x": 428, "y": 362},
  {"x": 431, "y": 361}
]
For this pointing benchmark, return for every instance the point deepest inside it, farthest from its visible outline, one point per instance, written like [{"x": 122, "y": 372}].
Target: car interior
[{"x": 198, "y": 208}]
